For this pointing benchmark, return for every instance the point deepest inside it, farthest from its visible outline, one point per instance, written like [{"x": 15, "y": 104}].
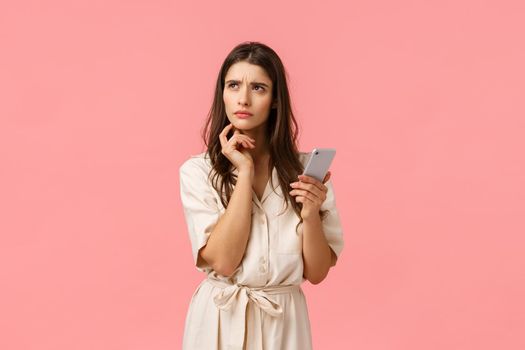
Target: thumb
[{"x": 327, "y": 177}]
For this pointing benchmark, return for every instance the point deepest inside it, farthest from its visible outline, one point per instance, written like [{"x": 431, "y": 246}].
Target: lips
[{"x": 243, "y": 114}]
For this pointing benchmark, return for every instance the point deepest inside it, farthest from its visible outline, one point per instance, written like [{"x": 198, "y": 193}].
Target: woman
[{"x": 258, "y": 228}]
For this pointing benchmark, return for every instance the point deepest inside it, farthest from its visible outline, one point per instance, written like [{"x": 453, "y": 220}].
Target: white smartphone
[{"x": 319, "y": 163}]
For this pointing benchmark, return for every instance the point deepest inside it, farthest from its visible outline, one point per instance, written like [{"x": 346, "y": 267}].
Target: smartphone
[{"x": 319, "y": 163}]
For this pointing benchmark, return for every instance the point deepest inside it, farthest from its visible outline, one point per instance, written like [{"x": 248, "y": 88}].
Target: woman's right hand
[{"x": 236, "y": 148}]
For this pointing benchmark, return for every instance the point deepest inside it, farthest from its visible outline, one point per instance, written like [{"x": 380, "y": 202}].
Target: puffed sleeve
[
  {"x": 332, "y": 224},
  {"x": 201, "y": 209}
]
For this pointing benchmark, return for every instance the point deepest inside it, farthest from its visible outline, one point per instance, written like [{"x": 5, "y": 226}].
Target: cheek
[
  {"x": 264, "y": 104},
  {"x": 227, "y": 100}
]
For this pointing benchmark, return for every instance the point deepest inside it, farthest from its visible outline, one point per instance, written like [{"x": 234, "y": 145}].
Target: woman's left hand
[{"x": 311, "y": 192}]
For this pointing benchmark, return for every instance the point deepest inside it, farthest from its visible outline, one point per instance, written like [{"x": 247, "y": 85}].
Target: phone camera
[{"x": 316, "y": 152}]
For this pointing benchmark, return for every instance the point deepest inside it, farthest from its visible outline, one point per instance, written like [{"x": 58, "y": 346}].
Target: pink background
[{"x": 101, "y": 101}]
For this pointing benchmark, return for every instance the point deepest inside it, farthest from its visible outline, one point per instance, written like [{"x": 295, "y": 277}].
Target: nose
[{"x": 244, "y": 96}]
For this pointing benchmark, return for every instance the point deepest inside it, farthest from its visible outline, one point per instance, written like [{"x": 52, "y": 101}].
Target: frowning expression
[{"x": 247, "y": 88}]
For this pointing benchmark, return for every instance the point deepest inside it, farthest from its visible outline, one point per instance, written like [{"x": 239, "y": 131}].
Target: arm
[
  {"x": 228, "y": 240},
  {"x": 318, "y": 257}
]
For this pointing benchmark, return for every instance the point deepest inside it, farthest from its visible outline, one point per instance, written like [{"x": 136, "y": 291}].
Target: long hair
[{"x": 281, "y": 131}]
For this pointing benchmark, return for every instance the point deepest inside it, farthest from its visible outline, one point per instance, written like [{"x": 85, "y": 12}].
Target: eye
[
  {"x": 230, "y": 84},
  {"x": 259, "y": 86}
]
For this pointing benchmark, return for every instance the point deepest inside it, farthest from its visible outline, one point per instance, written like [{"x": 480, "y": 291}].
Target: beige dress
[{"x": 261, "y": 306}]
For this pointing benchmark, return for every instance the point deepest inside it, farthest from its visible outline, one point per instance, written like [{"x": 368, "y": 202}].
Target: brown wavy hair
[{"x": 282, "y": 128}]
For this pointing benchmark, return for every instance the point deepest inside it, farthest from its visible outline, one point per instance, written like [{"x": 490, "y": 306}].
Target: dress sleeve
[
  {"x": 332, "y": 224},
  {"x": 201, "y": 209}
]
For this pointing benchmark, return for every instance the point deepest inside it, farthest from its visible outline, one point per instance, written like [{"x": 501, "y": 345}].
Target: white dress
[{"x": 261, "y": 306}]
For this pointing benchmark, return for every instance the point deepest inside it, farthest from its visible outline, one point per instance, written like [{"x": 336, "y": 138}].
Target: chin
[{"x": 243, "y": 123}]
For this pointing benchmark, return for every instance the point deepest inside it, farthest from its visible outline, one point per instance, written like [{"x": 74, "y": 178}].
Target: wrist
[
  {"x": 248, "y": 172},
  {"x": 312, "y": 218}
]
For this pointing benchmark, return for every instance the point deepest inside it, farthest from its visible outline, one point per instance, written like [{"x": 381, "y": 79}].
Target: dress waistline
[{"x": 235, "y": 297}]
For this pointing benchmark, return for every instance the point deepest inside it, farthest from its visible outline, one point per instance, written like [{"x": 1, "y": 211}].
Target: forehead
[{"x": 247, "y": 71}]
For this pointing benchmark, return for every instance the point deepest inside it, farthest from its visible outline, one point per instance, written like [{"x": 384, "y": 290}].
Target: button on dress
[{"x": 261, "y": 306}]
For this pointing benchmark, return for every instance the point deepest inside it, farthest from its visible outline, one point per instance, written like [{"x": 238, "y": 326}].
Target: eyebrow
[{"x": 254, "y": 83}]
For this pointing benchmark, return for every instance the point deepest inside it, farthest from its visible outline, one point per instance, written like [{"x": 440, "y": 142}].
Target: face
[{"x": 247, "y": 87}]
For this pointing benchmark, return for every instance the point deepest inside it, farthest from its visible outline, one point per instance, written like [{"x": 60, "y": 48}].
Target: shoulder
[{"x": 196, "y": 164}]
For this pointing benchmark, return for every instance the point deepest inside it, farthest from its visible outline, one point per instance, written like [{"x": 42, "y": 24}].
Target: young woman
[{"x": 258, "y": 228}]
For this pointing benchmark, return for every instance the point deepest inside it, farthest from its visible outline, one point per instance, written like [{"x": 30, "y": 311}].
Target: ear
[{"x": 274, "y": 104}]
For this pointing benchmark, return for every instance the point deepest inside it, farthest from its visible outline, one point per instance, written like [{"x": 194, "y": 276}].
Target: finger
[
  {"x": 222, "y": 135},
  {"x": 327, "y": 177},
  {"x": 225, "y": 131},
  {"x": 237, "y": 132},
  {"x": 250, "y": 143},
  {"x": 311, "y": 180},
  {"x": 314, "y": 189},
  {"x": 245, "y": 141},
  {"x": 313, "y": 196},
  {"x": 237, "y": 141},
  {"x": 241, "y": 138},
  {"x": 304, "y": 199},
  {"x": 246, "y": 136}
]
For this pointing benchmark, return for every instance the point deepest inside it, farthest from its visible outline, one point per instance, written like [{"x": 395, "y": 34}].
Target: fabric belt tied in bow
[{"x": 235, "y": 297}]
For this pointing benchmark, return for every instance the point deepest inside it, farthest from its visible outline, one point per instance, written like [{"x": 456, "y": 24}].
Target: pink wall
[{"x": 101, "y": 101}]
